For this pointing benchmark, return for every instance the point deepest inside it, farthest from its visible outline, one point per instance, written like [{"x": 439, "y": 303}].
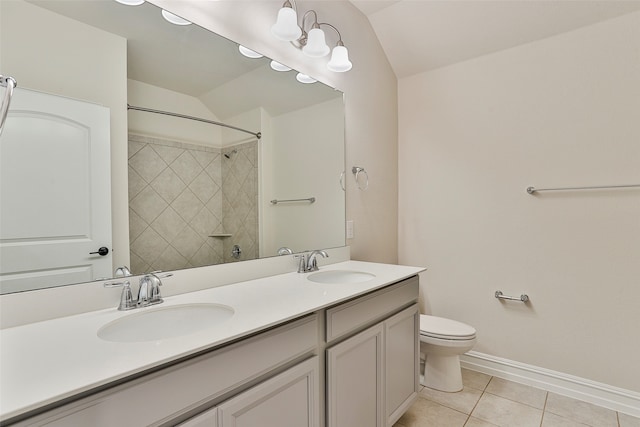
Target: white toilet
[{"x": 443, "y": 341}]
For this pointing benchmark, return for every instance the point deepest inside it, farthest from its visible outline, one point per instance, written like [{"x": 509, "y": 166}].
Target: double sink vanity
[{"x": 336, "y": 347}]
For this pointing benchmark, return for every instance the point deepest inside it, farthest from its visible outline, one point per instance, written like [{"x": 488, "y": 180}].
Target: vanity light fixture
[
  {"x": 276, "y": 66},
  {"x": 174, "y": 19},
  {"x": 131, "y": 2},
  {"x": 313, "y": 42},
  {"x": 249, "y": 53},
  {"x": 303, "y": 78}
]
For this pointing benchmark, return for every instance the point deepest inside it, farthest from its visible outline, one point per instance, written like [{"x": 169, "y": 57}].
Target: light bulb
[
  {"x": 339, "y": 60},
  {"x": 279, "y": 67},
  {"x": 303, "y": 78},
  {"x": 174, "y": 19},
  {"x": 316, "y": 45},
  {"x": 249, "y": 53},
  {"x": 286, "y": 27},
  {"x": 131, "y": 2}
]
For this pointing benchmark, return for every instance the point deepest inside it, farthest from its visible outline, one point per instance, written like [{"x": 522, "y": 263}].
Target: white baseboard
[{"x": 617, "y": 399}]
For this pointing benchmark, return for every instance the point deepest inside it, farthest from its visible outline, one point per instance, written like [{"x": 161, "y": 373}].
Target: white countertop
[{"x": 44, "y": 362}]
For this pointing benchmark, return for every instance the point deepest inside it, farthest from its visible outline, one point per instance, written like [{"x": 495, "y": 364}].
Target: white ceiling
[{"x": 421, "y": 35}]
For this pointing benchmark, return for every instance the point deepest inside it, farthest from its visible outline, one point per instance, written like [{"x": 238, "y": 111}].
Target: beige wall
[
  {"x": 57, "y": 62},
  {"x": 558, "y": 112},
  {"x": 143, "y": 123},
  {"x": 304, "y": 164},
  {"x": 370, "y": 102}
]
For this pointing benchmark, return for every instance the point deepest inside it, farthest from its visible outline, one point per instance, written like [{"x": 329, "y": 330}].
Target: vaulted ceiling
[{"x": 421, "y": 35}]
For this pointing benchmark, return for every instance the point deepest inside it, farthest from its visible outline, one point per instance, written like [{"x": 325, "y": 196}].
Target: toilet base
[{"x": 442, "y": 373}]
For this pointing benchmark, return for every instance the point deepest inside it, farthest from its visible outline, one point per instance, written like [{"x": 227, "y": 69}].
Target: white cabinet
[
  {"x": 354, "y": 375},
  {"x": 169, "y": 395},
  {"x": 402, "y": 362},
  {"x": 354, "y": 364},
  {"x": 290, "y": 399},
  {"x": 372, "y": 377},
  {"x": 206, "y": 419}
]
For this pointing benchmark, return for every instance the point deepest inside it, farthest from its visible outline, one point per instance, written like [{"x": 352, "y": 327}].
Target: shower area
[{"x": 191, "y": 205}]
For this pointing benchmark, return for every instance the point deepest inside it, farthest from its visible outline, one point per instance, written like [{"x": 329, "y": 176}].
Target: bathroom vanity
[{"x": 295, "y": 352}]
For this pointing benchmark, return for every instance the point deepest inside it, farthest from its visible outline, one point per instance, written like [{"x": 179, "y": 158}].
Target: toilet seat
[{"x": 446, "y": 329}]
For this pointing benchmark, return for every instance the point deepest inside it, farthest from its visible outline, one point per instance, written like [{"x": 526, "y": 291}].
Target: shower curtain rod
[{"x": 182, "y": 116}]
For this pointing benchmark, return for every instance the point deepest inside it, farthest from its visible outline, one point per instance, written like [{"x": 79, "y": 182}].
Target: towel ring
[{"x": 357, "y": 170}]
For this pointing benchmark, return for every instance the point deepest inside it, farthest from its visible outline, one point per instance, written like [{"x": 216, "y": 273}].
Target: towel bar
[
  {"x": 522, "y": 298},
  {"x": 310, "y": 200}
]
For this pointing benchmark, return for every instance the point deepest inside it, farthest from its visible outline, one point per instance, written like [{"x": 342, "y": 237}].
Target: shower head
[{"x": 230, "y": 153}]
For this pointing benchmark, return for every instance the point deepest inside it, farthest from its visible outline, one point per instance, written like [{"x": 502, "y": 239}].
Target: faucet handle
[
  {"x": 126, "y": 297},
  {"x": 154, "y": 293},
  {"x": 160, "y": 276},
  {"x": 302, "y": 263}
]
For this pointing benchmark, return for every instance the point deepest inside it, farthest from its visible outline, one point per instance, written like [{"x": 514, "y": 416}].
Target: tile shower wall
[
  {"x": 177, "y": 203},
  {"x": 240, "y": 201}
]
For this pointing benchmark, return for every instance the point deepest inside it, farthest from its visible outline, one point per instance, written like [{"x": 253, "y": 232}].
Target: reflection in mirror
[{"x": 199, "y": 193}]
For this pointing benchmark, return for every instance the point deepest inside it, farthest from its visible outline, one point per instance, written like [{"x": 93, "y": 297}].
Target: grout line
[
  {"x": 488, "y": 382},
  {"x": 479, "y": 399},
  {"x": 544, "y": 408},
  {"x": 618, "y": 418}
]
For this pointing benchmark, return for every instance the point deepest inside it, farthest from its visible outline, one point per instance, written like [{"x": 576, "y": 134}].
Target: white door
[{"x": 55, "y": 192}]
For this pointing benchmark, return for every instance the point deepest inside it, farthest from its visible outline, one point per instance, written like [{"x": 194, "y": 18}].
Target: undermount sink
[
  {"x": 340, "y": 276},
  {"x": 165, "y": 322}
]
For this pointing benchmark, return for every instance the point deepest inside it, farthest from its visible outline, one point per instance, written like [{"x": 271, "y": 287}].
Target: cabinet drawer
[
  {"x": 187, "y": 385},
  {"x": 291, "y": 398},
  {"x": 361, "y": 312}
]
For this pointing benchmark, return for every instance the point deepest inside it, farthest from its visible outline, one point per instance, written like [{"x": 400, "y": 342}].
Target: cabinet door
[
  {"x": 402, "y": 362},
  {"x": 354, "y": 380},
  {"x": 290, "y": 399},
  {"x": 208, "y": 418}
]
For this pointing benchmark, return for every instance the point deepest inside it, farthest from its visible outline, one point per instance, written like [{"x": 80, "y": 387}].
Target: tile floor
[{"x": 488, "y": 401}]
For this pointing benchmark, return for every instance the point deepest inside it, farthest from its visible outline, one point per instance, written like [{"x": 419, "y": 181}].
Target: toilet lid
[{"x": 439, "y": 327}]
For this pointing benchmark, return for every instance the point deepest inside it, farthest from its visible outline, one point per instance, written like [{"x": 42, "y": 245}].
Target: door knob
[{"x": 102, "y": 251}]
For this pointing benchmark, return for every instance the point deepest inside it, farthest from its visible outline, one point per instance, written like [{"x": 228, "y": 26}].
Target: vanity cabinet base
[
  {"x": 372, "y": 377},
  {"x": 354, "y": 364}
]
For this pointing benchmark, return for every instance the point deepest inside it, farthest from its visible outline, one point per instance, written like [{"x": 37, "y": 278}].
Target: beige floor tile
[
  {"x": 475, "y": 379},
  {"x": 506, "y": 413},
  {"x": 517, "y": 392},
  {"x": 628, "y": 420},
  {"x": 579, "y": 411},
  {"x": 476, "y": 422},
  {"x": 553, "y": 420},
  {"x": 425, "y": 413},
  {"x": 463, "y": 401}
]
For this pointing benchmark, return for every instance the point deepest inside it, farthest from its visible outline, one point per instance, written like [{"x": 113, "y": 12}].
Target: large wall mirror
[{"x": 92, "y": 78}]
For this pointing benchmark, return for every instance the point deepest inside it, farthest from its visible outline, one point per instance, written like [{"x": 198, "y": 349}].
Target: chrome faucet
[
  {"x": 148, "y": 292},
  {"x": 308, "y": 263},
  {"x": 284, "y": 251},
  {"x": 122, "y": 272}
]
